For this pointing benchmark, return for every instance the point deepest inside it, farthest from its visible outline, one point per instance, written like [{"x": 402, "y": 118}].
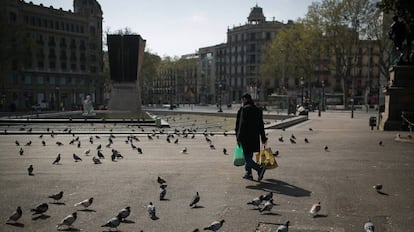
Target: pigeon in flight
[
  {"x": 160, "y": 180},
  {"x": 151, "y": 211},
  {"x": 215, "y": 226},
  {"x": 268, "y": 205},
  {"x": 195, "y": 200},
  {"x": 163, "y": 191},
  {"x": 283, "y": 228},
  {"x": 124, "y": 213},
  {"x": 40, "y": 209},
  {"x": 112, "y": 223},
  {"x": 315, "y": 209},
  {"x": 256, "y": 201},
  {"x": 16, "y": 215},
  {"x": 76, "y": 158},
  {"x": 56, "y": 196},
  {"x": 96, "y": 160},
  {"x": 57, "y": 160},
  {"x": 30, "y": 170},
  {"x": 85, "y": 203},
  {"x": 369, "y": 226},
  {"x": 68, "y": 220}
]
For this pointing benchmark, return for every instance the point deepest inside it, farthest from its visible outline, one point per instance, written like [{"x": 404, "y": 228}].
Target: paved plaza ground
[{"x": 340, "y": 178}]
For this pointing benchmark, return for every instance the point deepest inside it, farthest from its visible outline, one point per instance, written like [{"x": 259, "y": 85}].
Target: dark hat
[{"x": 247, "y": 96}]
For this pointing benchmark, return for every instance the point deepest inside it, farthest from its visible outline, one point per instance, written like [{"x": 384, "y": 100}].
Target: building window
[
  {"x": 12, "y": 17},
  {"x": 27, "y": 80},
  {"x": 52, "y": 81},
  {"x": 40, "y": 80},
  {"x": 63, "y": 66},
  {"x": 62, "y": 81},
  {"x": 52, "y": 65}
]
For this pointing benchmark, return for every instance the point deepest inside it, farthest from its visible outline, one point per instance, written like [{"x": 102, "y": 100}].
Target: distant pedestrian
[{"x": 249, "y": 132}]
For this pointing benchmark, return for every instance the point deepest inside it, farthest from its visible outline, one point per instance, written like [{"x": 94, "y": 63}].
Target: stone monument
[{"x": 88, "y": 107}]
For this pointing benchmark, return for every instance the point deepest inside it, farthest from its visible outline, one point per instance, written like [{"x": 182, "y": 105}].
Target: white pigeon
[
  {"x": 315, "y": 209},
  {"x": 268, "y": 205},
  {"x": 369, "y": 226},
  {"x": 151, "y": 210},
  {"x": 283, "y": 228},
  {"x": 215, "y": 226},
  {"x": 68, "y": 220},
  {"x": 85, "y": 203}
]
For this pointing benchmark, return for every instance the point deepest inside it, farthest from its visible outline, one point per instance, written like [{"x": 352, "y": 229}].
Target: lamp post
[
  {"x": 320, "y": 101},
  {"x": 220, "y": 109},
  {"x": 323, "y": 95},
  {"x": 302, "y": 85}
]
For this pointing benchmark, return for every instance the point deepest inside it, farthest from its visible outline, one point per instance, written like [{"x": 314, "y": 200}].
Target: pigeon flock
[{"x": 98, "y": 152}]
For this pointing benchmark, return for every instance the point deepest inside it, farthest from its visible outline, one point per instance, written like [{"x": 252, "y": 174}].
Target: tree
[{"x": 149, "y": 70}]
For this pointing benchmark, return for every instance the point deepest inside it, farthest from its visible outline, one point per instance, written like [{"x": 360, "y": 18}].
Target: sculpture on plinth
[{"x": 88, "y": 106}]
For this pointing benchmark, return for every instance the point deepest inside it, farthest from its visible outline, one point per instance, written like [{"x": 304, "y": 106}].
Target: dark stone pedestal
[
  {"x": 399, "y": 98},
  {"x": 125, "y": 97}
]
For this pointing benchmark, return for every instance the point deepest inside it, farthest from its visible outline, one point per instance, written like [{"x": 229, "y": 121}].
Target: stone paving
[{"x": 340, "y": 178}]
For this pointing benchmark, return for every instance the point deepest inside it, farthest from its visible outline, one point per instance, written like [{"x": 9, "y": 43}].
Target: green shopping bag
[{"x": 238, "y": 156}]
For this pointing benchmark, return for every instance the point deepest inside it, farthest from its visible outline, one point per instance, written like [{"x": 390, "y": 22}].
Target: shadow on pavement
[{"x": 280, "y": 187}]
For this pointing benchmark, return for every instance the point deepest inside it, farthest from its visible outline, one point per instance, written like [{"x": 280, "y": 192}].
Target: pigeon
[
  {"x": 96, "y": 160},
  {"x": 149, "y": 137},
  {"x": 212, "y": 147},
  {"x": 163, "y": 191},
  {"x": 85, "y": 203},
  {"x": 267, "y": 196},
  {"x": 56, "y": 196},
  {"x": 292, "y": 141},
  {"x": 30, "y": 170},
  {"x": 151, "y": 210},
  {"x": 68, "y": 220},
  {"x": 59, "y": 143},
  {"x": 43, "y": 143},
  {"x": 57, "y": 159},
  {"x": 283, "y": 228},
  {"x": 215, "y": 226},
  {"x": 29, "y": 143},
  {"x": 184, "y": 150},
  {"x": 16, "y": 215},
  {"x": 112, "y": 223},
  {"x": 225, "y": 151},
  {"x": 76, "y": 158},
  {"x": 276, "y": 153},
  {"x": 281, "y": 139},
  {"x": 268, "y": 205},
  {"x": 377, "y": 187},
  {"x": 369, "y": 226},
  {"x": 306, "y": 140},
  {"x": 326, "y": 148},
  {"x": 79, "y": 144},
  {"x": 160, "y": 180},
  {"x": 176, "y": 141},
  {"x": 17, "y": 143},
  {"x": 87, "y": 151},
  {"x": 195, "y": 200},
  {"x": 100, "y": 155},
  {"x": 21, "y": 151},
  {"x": 99, "y": 147},
  {"x": 124, "y": 213},
  {"x": 380, "y": 143},
  {"x": 139, "y": 150},
  {"x": 256, "y": 201},
  {"x": 40, "y": 209},
  {"x": 315, "y": 209},
  {"x": 310, "y": 129}
]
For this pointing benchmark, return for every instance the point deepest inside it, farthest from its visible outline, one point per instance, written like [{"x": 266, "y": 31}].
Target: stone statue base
[
  {"x": 125, "y": 97},
  {"x": 88, "y": 114},
  {"x": 399, "y": 98}
]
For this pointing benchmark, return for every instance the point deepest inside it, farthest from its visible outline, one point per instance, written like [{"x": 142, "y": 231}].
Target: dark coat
[{"x": 250, "y": 127}]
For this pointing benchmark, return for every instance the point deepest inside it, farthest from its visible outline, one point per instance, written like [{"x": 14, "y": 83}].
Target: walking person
[{"x": 249, "y": 132}]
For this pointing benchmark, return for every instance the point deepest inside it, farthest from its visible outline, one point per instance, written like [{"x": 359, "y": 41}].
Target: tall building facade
[
  {"x": 231, "y": 69},
  {"x": 55, "y": 57}
]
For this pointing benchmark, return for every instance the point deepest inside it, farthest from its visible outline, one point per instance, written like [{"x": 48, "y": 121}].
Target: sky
[{"x": 179, "y": 27}]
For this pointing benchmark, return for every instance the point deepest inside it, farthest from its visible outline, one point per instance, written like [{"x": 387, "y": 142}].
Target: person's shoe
[
  {"x": 248, "y": 177},
  {"x": 261, "y": 173}
]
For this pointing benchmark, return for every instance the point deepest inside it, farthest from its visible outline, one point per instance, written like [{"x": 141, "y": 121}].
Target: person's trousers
[{"x": 250, "y": 163}]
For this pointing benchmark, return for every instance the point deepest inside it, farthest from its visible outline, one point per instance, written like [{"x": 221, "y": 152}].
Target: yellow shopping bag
[{"x": 266, "y": 158}]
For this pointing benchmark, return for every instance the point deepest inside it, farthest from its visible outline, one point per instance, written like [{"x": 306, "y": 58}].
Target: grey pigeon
[
  {"x": 124, "y": 213},
  {"x": 76, "y": 158},
  {"x": 184, "y": 150},
  {"x": 267, "y": 196},
  {"x": 139, "y": 150},
  {"x": 17, "y": 143},
  {"x": 57, "y": 196},
  {"x": 30, "y": 170},
  {"x": 112, "y": 223},
  {"x": 283, "y": 228},
  {"x": 21, "y": 151},
  {"x": 268, "y": 205},
  {"x": 96, "y": 160},
  {"x": 215, "y": 226},
  {"x": 85, "y": 203},
  {"x": 43, "y": 143},
  {"x": 326, "y": 148},
  {"x": 57, "y": 160},
  {"x": 256, "y": 201},
  {"x": 377, "y": 187},
  {"x": 160, "y": 180},
  {"x": 369, "y": 226},
  {"x": 195, "y": 200},
  {"x": 40, "y": 209},
  {"x": 163, "y": 191},
  {"x": 306, "y": 140},
  {"x": 68, "y": 220},
  {"x": 100, "y": 155},
  {"x": 17, "y": 214},
  {"x": 151, "y": 210}
]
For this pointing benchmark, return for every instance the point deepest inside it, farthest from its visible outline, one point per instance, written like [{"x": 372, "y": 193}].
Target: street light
[
  {"x": 302, "y": 85},
  {"x": 220, "y": 109},
  {"x": 323, "y": 95}
]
